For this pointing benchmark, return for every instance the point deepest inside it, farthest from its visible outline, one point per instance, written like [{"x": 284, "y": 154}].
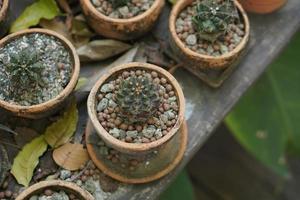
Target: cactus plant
[
  {"x": 213, "y": 17},
  {"x": 138, "y": 99},
  {"x": 24, "y": 69},
  {"x": 119, "y": 3}
]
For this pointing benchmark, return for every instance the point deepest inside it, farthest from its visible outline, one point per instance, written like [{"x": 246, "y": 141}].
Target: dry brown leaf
[{"x": 71, "y": 156}]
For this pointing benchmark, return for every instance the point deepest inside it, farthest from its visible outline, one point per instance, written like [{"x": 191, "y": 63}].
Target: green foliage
[
  {"x": 138, "y": 99},
  {"x": 119, "y": 3},
  {"x": 60, "y": 132},
  {"x": 27, "y": 160},
  {"x": 213, "y": 17},
  {"x": 24, "y": 70},
  {"x": 180, "y": 189},
  {"x": 266, "y": 120},
  {"x": 42, "y": 9}
]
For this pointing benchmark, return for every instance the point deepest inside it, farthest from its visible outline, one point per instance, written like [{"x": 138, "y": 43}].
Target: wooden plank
[{"x": 206, "y": 107}]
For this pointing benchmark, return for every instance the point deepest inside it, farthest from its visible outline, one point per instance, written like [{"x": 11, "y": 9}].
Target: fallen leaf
[
  {"x": 57, "y": 25},
  {"x": 71, "y": 156},
  {"x": 4, "y": 164},
  {"x": 128, "y": 57},
  {"x": 101, "y": 49},
  {"x": 24, "y": 135},
  {"x": 27, "y": 160},
  {"x": 79, "y": 34},
  {"x": 60, "y": 132},
  {"x": 81, "y": 82},
  {"x": 42, "y": 9}
]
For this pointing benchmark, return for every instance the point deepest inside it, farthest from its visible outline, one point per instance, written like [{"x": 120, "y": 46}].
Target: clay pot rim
[
  {"x": 137, "y": 18},
  {"x": 3, "y": 9},
  {"x": 184, "y": 3},
  {"x": 55, "y": 183},
  {"x": 118, "y": 144},
  {"x": 65, "y": 92}
]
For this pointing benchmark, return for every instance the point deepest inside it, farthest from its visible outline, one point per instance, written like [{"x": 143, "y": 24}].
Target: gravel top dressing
[
  {"x": 148, "y": 115},
  {"x": 34, "y": 68},
  {"x": 49, "y": 194},
  {"x": 122, "y": 9},
  {"x": 188, "y": 34}
]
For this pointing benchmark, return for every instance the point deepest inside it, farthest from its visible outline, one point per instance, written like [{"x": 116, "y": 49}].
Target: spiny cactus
[
  {"x": 24, "y": 69},
  {"x": 213, "y": 17},
  {"x": 138, "y": 99},
  {"x": 119, "y": 3}
]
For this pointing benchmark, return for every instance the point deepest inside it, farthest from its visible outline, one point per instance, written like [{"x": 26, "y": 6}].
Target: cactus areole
[{"x": 138, "y": 99}]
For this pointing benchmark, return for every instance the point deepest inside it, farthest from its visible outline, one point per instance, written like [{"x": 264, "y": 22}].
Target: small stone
[
  {"x": 106, "y": 88},
  {"x": 191, "y": 40},
  {"x": 163, "y": 118},
  {"x": 149, "y": 131},
  {"x": 170, "y": 114},
  {"x": 64, "y": 174},
  {"x": 48, "y": 192},
  {"x": 89, "y": 185},
  {"x": 79, "y": 182},
  {"x": 172, "y": 99},
  {"x": 96, "y": 3},
  {"x": 223, "y": 49},
  {"x": 115, "y": 132},
  {"x": 124, "y": 11},
  {"x": 31, "y": 198},
  {"x": 124, "y": 127},
  {"x": 102, "y": 105},
  {"x": 132, "y": 134},
  {"x": 210, "y": 49},
  {"x": 158, "y": 134},
  {"x": 103, "y": 150}
]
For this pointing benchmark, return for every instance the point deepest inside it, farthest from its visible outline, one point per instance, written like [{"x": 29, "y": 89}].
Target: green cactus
[
  {"x": 213, "y": 17},
  {"x": 119, "y": 3},
  {"x": 138, "y": 99},
  {"x": 24, "y": 70}
]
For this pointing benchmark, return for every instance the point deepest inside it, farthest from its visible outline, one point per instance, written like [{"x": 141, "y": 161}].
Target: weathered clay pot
[
  {"x": 53, "y": 105},
  {"x": 122, "y": 29},
  {"x": 3, "y": 14},
  {"x": 262, "y": 7},
  {"x": 157, "y": 158},
  {"x": 195, "y": 61},
  {"x": 55, "y": 185}
]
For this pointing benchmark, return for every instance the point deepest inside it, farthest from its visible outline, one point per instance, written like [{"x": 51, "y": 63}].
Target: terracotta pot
[
  {"x": 156, "y": 158},
  {"x": 262, "y": 7},
  {"x": 3, "y": 9},
  {"x": 122, "y": 29},
  {"x": 3, "y": 13},
  {"x": 55, "y": 185},
  {"x": 195, "y": 61},
  {"x": 53, "y": 105}
]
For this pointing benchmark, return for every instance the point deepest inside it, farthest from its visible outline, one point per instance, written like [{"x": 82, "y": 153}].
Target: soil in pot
[
  {"x": 91, "y": 179},
  {"x": 49, "y": 194},
  {"x": 202, "y": 27},
  {"x": 137, "y": 106},
  {"x": 122, "y": 9},
  {"x": 34, "y": 68}
]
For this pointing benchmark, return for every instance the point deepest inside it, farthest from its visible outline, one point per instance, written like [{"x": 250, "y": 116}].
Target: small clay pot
[
  {"x": 262, "y": 7},
  {"x": 49, "y": 107},
  {"x": 55, "y": 185},
  {"x": 3, "y": 13},
  {"x": 195, "y": 61},
  {"x": 122, "y": 29},
  {"x": 156, "y": 158},
  {"x": 3, "y": 10}
]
